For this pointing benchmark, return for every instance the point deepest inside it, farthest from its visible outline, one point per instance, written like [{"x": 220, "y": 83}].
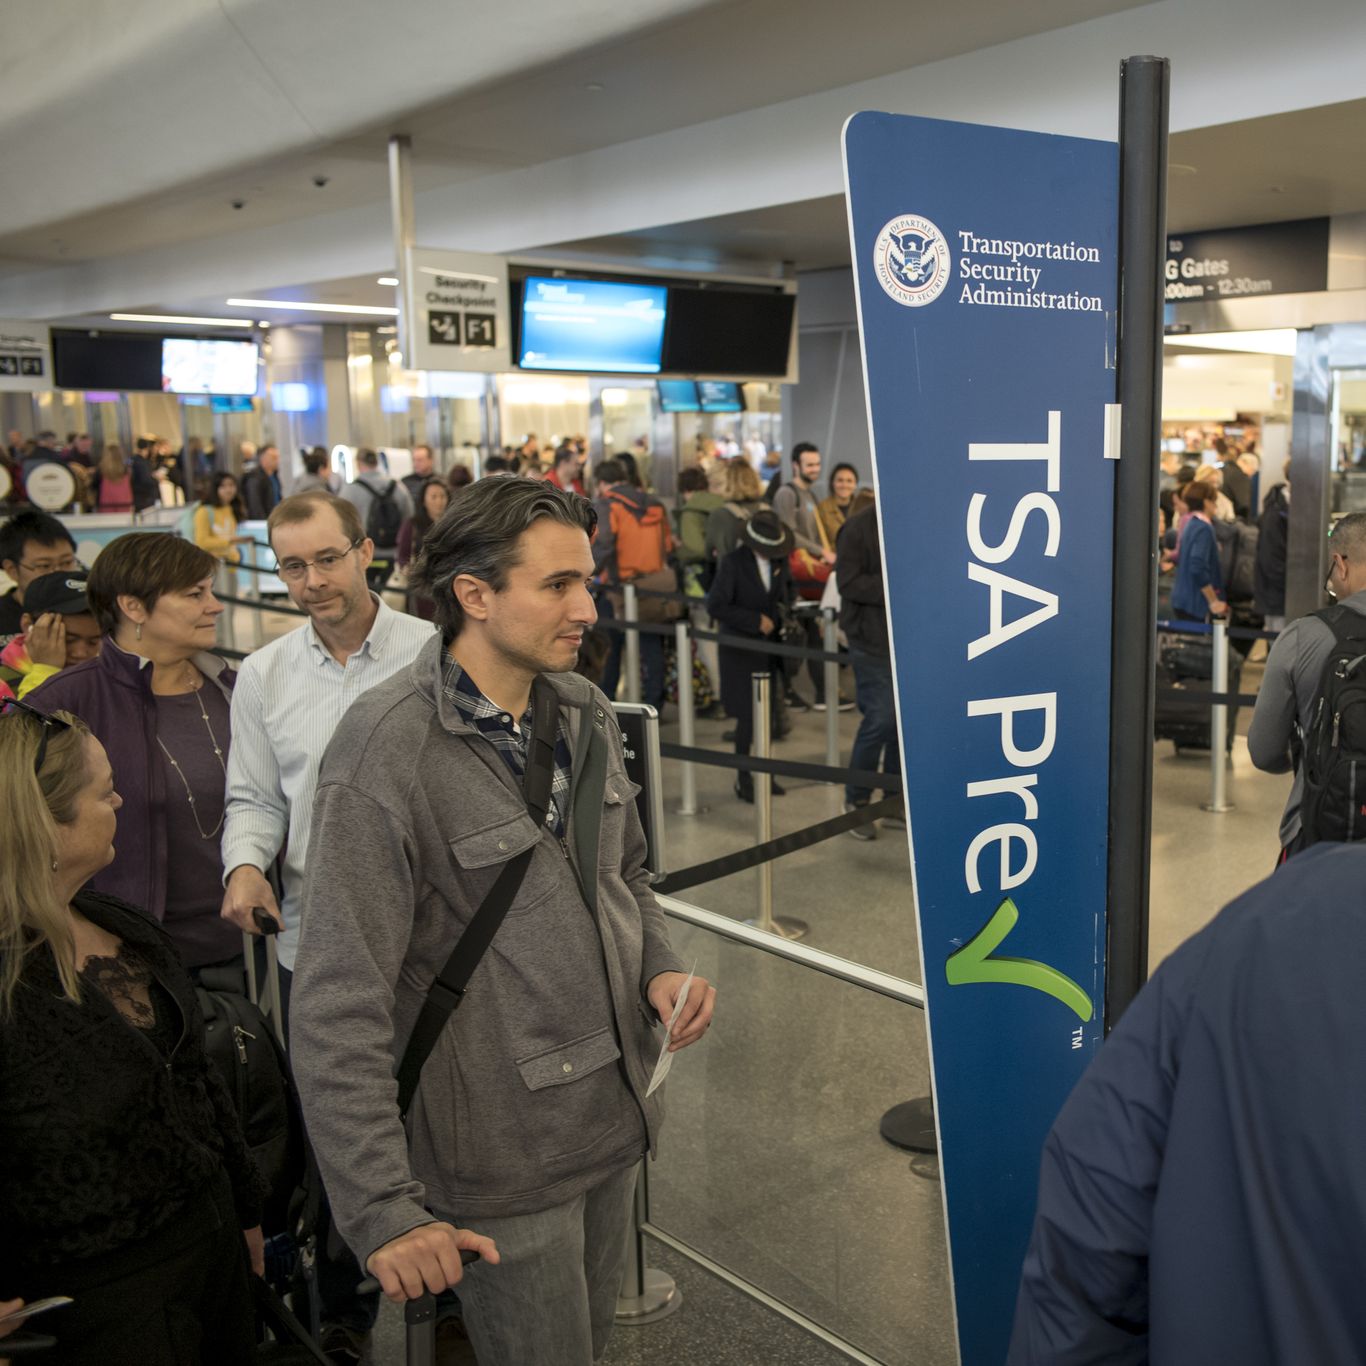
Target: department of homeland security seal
[{"x": 911, "y": 259}]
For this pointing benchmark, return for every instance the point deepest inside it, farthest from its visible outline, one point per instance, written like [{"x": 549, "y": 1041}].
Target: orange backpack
[{"x": 643, "y": 538}]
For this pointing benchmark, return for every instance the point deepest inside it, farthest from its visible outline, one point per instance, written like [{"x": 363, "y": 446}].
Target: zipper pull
[
  {"x": 1337, "y": 718},
  {"x": 238, "y": 1034}
]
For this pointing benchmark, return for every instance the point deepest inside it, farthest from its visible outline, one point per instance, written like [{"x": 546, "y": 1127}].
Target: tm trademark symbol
[{"x": 1076, "y": 1038}]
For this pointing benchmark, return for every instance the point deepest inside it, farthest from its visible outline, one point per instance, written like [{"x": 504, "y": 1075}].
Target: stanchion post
[
  {"x": 784, "y": 926},
  {"x": 647, "y": 1295},
  {"x": 832, "y": 690},
  {"x": 631, "y": 612},
  {"x": 1218, "y": 724},
  {"x": 258, "y": 616},
  {"x": 763, "y": 798},
  {"x": 687, "y": 734},
  {"x": 227, "y": 583}
]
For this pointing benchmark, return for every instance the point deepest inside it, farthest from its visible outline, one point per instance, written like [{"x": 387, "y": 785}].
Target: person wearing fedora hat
[
  {"x": 59, "y": 630},
  {"x": 751, "y": 591}
]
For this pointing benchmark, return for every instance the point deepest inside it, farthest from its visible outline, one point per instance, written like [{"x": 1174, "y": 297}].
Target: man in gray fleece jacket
[{"x": 531, "y": 1113}]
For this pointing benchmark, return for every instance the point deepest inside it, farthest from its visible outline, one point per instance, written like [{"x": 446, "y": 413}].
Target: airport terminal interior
[{"x": 457, "y": 242}]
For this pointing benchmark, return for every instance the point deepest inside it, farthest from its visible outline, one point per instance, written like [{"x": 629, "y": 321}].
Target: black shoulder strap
[
  {"x": 447, "y": 991},
  {"x": 1346, "y": 623}
]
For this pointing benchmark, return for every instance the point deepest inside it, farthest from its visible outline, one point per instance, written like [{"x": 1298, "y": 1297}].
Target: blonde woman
[
  {"x": 1222, "y": 505},
  {"x": 111, "y": 485},
  {"x": 744, "y": 496},
  {"x": 124, "y": 1179}
]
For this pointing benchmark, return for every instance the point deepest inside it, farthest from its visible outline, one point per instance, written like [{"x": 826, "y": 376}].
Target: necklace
[{"x": 189, "y": 791}]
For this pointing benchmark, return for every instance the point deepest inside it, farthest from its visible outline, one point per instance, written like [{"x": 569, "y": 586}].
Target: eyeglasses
[
  {"x": 294, "y": 571},
  {"x": 11, "y": 706},
  {"x": 51, "y": 566}
]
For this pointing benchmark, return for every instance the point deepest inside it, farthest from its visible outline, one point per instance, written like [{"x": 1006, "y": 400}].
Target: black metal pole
[{"x": 1144, "y": 83}]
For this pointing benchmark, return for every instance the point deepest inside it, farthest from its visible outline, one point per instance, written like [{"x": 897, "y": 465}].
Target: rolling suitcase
[
  {"x": 1185, "y": 665},
  {"x": 419, "y": 1319}
]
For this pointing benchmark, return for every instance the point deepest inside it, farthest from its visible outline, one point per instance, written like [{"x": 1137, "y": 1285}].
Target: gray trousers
[{"x": 552, "y": 1298}]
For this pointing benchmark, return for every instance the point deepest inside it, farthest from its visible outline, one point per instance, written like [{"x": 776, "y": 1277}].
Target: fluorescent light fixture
[
  {"x": 1277, "y": 341},
  {"x": 175, "y": 318},
  {"x": 387, "y": 280},
  {"x": 291, "y": 305}
]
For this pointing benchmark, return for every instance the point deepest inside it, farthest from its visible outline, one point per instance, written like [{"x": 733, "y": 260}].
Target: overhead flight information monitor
[
  {"x": 678, "y": 396},
  {"x": 191, "y": 365},
  {"x": 720, "y": 396},
  {"x": 609, "y": 326}
]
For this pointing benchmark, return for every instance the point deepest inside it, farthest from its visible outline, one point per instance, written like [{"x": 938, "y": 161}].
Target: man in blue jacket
[{"x": 1202, "y": 1198}]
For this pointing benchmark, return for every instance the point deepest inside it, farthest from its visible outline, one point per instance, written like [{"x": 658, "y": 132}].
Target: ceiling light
[
  {"x": 1278, "y": 341},
  {"x": 387, "y": 280},
  {"x": 176, "y": 318},
  {"x": 291, "y": 305},
  {"x": 265, "y": 322}
]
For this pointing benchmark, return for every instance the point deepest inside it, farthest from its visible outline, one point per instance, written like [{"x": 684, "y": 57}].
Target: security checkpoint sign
[
  {"x": 986, "y": 264},
  {"x": 455, "y": 311},
  {"x": 25, "y": 356}
]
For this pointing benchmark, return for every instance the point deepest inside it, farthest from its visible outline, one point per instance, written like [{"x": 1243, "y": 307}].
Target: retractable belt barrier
[
  {"x": 782, "y": 768},
  {"x": 259, "y": 605},
  {"x": 777, "y": 848},
  {"x": 755, "y": 645}
]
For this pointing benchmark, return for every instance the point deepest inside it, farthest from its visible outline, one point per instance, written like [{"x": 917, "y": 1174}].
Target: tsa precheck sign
[{"x": 986, "y": 264}]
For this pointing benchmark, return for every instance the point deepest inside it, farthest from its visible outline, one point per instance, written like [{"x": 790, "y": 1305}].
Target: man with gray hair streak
[
  {"x": 1294, "y": 670},
  {"x": 531, "y": 1111}
]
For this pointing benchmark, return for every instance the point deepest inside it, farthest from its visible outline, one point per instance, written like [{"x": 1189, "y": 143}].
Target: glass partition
[{"x": 771, "y": 1163}]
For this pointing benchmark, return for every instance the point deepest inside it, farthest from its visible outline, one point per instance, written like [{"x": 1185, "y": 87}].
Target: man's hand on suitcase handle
[
  {"x": 428, "y": 1258},
  {"x": 247, "y": 892}
]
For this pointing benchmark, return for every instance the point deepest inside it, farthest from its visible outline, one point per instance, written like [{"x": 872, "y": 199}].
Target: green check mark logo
[{"x": 977, "y": 961}]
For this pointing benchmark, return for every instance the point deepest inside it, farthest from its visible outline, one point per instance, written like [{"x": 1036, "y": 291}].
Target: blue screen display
[
  {"x": 678, "y": 396},
  {"x": 601, "y": 325},
  {"x": 718, "y": 396}
]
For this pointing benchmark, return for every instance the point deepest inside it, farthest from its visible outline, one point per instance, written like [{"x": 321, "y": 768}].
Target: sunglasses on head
[{"x": 12, "y": 706}]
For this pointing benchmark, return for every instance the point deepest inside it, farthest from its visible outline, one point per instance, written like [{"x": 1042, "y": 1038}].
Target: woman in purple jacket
[{"x": 159, "y": 703}]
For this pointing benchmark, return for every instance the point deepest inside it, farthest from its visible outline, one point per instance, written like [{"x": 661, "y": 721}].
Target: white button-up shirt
[{"x": 288, "y": 700}]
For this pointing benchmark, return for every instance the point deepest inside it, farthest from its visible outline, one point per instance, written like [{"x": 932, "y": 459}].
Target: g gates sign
[{"x": 986, "y": 271}]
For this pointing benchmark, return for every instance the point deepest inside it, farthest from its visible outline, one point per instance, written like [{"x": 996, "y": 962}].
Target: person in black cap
[
  {"x": 59, "y": 630},
  {"x": 751, "y": 591}
]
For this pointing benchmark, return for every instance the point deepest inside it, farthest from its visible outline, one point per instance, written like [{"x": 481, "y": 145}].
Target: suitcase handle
[
  {"x": 264, "y": 921},
  {"x": 370, "y": 1285}
]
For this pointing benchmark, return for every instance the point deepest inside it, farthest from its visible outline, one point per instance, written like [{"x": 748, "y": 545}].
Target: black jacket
[
  {"x": 1272, "y": 534},
  {"x": 858, "y": 573},
  {"x": 103, "y": 1142},
  {"x": 737, "y": 600},
  {"x": 260, "y": 493}
]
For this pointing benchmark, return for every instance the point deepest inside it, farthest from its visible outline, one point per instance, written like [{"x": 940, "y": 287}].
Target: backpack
[
  {"x": 242, "y": 1046},
  {"x": 383, "y": 520},
  {"x": 1334, "y": 756},
  {"x": 1237, "y": 544},
  {"x": 643, "y": 538}
]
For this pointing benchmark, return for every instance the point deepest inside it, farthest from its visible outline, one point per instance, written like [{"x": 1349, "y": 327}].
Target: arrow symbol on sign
[{"x": 977, "y": 961}]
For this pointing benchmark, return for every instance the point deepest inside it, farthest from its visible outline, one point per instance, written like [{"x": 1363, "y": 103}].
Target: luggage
[
  {"x": 248, "y": 1051},
  {"x": 1334, "y": 761},
  {"x": 419, "y": 1319},
  {"x": 1185, "y": 664}
]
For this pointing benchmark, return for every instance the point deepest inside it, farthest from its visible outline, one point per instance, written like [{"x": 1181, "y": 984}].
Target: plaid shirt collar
[{"x": 510, "y": 737}]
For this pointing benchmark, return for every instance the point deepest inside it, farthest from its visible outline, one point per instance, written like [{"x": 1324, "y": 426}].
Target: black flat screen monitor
[
  {"x": 728, "y": 332},
  {"x": 720, "y": 396},
  {"x": 678, "y": 396},
  {"x": 104, "y": 361}
]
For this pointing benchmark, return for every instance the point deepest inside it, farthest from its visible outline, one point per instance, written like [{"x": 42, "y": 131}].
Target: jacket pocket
[
  {"x": 579, "y": 1102},
  {"x": 568, "y": 1062},
  {"x": 618, "y": 793},
  {"x": 496, "y": 843}
]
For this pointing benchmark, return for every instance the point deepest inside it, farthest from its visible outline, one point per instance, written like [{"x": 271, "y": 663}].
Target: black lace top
[{"x": 113, "y": 1122}]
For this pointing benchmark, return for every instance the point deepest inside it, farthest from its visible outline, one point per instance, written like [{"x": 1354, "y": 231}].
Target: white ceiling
[
  {"x": 673, "y": 131},
  {"x": 252, "y": 100}
]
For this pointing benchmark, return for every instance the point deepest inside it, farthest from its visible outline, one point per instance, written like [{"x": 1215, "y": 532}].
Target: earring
[{"x": 137, "y": 631}]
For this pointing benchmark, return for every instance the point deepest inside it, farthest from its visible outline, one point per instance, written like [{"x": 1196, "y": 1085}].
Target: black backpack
[
  {"x": 242, "y": 1046},
  {"x": 1334, "y": 759},
  {"x": 1237, "y": 542},
  {"x": 384, "y": 518}
]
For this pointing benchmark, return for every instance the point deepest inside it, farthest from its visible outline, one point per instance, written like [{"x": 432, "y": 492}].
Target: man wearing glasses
[
  {"x": 288, "y": 700},
  {"x": 31, "y": 544},
  {"x": 1294, "y": 669}
]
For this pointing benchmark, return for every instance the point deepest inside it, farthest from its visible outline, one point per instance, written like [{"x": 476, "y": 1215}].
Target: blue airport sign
[{"x": 986, "y": 265}]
